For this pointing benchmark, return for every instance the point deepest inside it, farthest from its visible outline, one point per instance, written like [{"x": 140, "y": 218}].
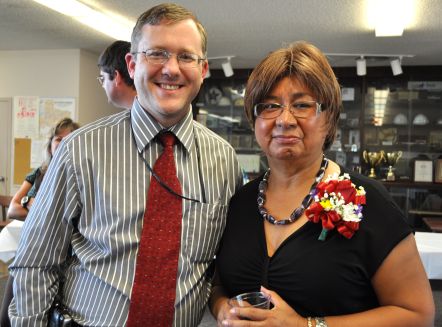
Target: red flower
[
  {"x": 335, "y": 197},
  {"x": 348, "y": 228}
]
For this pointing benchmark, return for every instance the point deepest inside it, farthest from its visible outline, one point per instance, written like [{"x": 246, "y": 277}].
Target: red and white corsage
[{"x": 337, "y": 203}]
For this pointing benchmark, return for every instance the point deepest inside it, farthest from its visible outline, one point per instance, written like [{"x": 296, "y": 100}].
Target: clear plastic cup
[{"x": 253, "y": 299}]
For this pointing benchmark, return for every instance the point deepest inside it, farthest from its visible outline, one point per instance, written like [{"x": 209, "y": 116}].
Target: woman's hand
[{"x": 280, "y": 315}]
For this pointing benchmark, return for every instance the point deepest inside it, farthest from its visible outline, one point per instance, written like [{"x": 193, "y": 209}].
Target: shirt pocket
[{"x": 203, "y": 227}]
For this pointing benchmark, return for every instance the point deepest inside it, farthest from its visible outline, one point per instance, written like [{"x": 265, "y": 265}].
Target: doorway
[{"x": 5, "y": 145}]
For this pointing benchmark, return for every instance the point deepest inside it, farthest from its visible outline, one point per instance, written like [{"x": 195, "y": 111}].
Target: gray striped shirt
[{"x": 88, "y": 216}]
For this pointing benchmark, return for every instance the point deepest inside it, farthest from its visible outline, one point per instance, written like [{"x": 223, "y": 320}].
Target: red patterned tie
[{"x": 153, "y": 293}]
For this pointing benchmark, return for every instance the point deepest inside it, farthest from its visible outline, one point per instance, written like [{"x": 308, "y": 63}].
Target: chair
[{"x": 5, "y": 200}]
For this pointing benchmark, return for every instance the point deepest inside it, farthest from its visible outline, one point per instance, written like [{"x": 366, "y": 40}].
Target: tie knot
[{"x": 167, "y": 139}]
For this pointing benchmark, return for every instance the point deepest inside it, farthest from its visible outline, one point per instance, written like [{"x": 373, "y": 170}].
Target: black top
[
  {"x": 316, "y": 278},
  {"x": 34, "y": 178}
]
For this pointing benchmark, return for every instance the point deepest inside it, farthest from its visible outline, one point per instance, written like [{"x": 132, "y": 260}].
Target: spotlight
[
  {"x": 396, "y": 66},
  {"x": 207, "y": 74},
  {"x": 361, "y": 66},
  {"x": 227, "y": 68}
]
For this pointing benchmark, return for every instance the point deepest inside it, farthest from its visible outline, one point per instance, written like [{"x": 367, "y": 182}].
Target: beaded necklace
[{"x": 298, "y": 211}]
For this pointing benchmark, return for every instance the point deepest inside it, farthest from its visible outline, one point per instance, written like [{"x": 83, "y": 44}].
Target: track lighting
[
  {"x": 207, "y": 74},
  {"x": 226, "y": 64},
  {"x": 362, "y": 58},
  {"x": 227, "y": 68},
  {"x": 361, "y": 66},
  {"x": 396, "y": 66}
]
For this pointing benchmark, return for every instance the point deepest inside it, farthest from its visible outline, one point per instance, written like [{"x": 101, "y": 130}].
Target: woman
[
  {"x": 24, "y": 198},
  {"x": 327, "y": 250},
  {"x": 22, "y": 201}
]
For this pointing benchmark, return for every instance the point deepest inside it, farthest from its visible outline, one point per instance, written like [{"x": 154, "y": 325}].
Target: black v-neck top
[{"x": 316, "y": 278}]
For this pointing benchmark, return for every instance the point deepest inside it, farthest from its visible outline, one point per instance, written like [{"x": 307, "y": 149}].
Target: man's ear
[
  {"x": 205, "y": 68},
  {"x": 130, "y": 63}
]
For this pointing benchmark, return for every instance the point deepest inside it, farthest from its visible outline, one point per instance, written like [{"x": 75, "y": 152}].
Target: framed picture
[
  {"x": 423, "y": 171},
  {"x": 438, "y": 174}
]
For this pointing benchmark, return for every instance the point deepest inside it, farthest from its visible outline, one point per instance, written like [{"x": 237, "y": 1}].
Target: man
[
  {"x": 114, "y": 77},
  {"x": 89, "y": 215}
]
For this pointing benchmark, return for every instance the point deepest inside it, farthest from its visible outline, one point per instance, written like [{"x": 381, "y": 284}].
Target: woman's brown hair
[{"x": 306, "y": 63}]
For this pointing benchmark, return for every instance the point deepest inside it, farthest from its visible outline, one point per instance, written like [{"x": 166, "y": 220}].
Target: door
[{"x": 5, "y": 145}]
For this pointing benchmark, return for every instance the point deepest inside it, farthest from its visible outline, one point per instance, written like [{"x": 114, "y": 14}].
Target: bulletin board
[
  {"x": 22, "y": 159},
  {"x": 33, "y": 119}
]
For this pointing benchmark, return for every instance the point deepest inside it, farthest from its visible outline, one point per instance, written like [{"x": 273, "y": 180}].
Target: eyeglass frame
[
  {"x": 197, "y": 58},
  {"x": 100, "y": 79},
  {"x": 289, "y": 106}
]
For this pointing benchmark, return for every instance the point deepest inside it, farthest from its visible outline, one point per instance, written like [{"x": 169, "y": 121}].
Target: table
[
  {"x": 429, "y": 246},
  {"x": 9, "y": 237}
]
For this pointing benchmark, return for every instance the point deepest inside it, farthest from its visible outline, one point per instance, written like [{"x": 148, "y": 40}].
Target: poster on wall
[
  {"x": 34, "y": 117},
  {"x": 50, "y": 112},
  {"x": 25, "y": 117}
]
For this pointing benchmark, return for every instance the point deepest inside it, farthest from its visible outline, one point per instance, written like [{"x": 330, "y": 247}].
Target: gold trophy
[
  {"x": 391, "y": 158},
  {"x": 373, "y": 159}
]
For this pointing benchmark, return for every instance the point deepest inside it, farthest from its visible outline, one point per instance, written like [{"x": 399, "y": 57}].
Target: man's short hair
[
  {"x": 113, "y": 58},
  {"x": 170, "y": 12}
]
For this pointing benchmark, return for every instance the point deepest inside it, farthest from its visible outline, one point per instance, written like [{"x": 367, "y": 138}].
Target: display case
[
  {"x": 220, "y": 107},
  {"x": 399, "y": 117}
]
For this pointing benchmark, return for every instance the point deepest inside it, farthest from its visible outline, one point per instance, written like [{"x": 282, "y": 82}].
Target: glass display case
[
  {"x": 220, "y": 107},
  {"x": 390, "y": 127}
]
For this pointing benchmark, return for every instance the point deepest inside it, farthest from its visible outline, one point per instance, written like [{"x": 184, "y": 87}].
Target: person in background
[
  {"x": 23, "y": 200},
  {"x": 328, "y": 246},
  {"x": 114, "y": 77},
  {"x": 91, "y": 220}
]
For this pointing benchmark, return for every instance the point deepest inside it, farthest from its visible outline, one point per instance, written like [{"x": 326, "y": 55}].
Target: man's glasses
[
  {"x": 299, "y": 109},
  {"x": 160, "y": 57},
  {"x": 100, "y": 79}
]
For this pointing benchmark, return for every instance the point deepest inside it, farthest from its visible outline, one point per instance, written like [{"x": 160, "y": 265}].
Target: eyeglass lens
[{"x": 303, "y": 109}]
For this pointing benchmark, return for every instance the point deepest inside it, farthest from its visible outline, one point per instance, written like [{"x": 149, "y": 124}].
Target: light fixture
[
  {"x": 207, "y": 74},
  {"x": 361, "y": 66},
  {"x": 227, "y": 68},
  {"x": 361, "y": 62},
  {"x": 111, "y": 25},
  {"x": 226, "y": 64},
  {"x": 396, "y": 66},
  {"x": 390, "y": 17}
]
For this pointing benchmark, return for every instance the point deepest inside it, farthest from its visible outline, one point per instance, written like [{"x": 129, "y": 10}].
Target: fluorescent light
[
  {"x": 390, "y": 17},
  {"x": 105, "y": 24}
]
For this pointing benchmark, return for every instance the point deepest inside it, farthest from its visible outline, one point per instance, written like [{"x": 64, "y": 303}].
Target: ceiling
[{"x": 247, "y": 29}]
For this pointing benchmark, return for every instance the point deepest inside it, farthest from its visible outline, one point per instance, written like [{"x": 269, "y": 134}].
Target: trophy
[
  {"x": 391, "y": 158},
  {"x": 373, "y": 159}
]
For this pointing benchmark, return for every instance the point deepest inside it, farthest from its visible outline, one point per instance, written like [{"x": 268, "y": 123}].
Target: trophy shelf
[{"x": 410, "y": 184}]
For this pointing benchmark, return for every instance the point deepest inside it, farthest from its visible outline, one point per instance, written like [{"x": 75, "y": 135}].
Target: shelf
[
  {"x": 426, "y": 148},
  {"x": 407, "y": 126},
  {"x": 410, "y": 184},
  {"x": 425, "y": 213}
]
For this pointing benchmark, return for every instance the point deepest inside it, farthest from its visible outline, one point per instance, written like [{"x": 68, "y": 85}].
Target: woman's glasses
[{"x": 299, "y": 109}]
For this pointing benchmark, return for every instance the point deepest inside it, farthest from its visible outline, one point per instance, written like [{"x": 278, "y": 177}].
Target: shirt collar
[{"x": 145, "y": 128}]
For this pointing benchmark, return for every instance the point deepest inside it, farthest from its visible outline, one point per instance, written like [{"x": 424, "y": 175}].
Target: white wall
[{"x": 56, "y": 73}]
